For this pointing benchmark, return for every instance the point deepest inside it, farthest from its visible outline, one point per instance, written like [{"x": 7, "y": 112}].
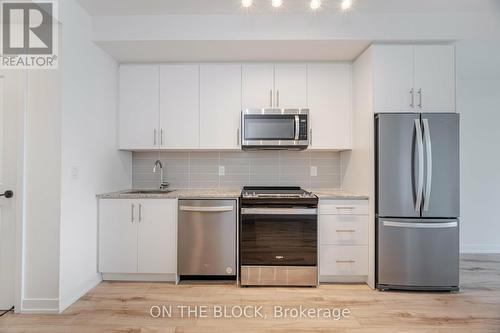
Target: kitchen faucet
[{"x": 158, "y": 165}]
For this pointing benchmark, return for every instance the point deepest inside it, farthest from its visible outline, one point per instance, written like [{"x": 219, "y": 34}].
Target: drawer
[
  {"x": 343, "y": 230},
  {"x": 343, "y": 207},
  {"x": 343, "y": 260}
]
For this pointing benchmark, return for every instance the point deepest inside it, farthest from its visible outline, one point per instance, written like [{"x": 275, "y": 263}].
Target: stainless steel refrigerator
[{"x": 417, "y": 201}]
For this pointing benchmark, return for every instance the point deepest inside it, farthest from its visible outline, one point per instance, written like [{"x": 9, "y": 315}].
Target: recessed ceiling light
[
  {"x": 277, "y": 3},
  {"x": 346, "y": 4},
  {"x": 315, "y": 4},
  {"x": 247, "y": 3}
]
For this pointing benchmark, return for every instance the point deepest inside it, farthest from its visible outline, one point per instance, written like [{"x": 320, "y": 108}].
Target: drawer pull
[
  {"x": 346, "y": 261},
  {"x": 346, "y": 230},
  {"x": 346, "y": 208}
]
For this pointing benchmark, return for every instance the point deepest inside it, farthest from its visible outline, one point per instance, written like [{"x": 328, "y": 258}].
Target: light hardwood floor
[{"x": 124, "y": 307}]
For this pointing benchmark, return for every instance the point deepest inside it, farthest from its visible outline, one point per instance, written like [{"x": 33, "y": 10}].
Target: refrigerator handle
[
  {"x": 428, "y": 145},
  {"x": 420, "y": 181}
]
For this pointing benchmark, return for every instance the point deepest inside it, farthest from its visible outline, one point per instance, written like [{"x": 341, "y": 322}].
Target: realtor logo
[{"x": 29, "y": 34}]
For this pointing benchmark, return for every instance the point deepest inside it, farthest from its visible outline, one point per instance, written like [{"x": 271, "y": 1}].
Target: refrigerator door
[
  {"x": 399, "y": 165},
  {"x": 418, "y": 254},
  {"x": 442, "y": 172}
]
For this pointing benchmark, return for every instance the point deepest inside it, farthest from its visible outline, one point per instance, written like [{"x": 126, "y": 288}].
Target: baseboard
[
  {"x": 40, "y": 306},
  {"x": 480, "y": 248},
  {"x": 77, "y": 293},
  {"x": 138, "y": 277}
]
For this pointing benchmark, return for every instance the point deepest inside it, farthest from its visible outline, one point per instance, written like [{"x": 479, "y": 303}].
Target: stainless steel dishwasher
[{"x": 207, "y": 238}]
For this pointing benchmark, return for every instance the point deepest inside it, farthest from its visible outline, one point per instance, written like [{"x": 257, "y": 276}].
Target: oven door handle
[{"x": 279, "y": 211}]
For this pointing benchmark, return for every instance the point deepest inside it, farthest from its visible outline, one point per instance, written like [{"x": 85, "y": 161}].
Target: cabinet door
[
  {"x": 139, "y": 107},
  {"x": 118, "y": 236},
  {"x": 258, "y": 86},
  {"x": 179, "y": 107},
  {"x": 291, "y": 86},
  {"x": 157, "y": 246},
  {"x": 393, "y": 78},
  {"x": 435, "y": 78},
  {"x": 329, "y": 99},
  {"x": 220, "y": 106}
]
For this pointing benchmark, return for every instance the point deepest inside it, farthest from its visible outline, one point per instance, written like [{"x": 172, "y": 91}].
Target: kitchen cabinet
[
  {"x": 343, "y": 242},
  {"x": 274, "y": 86},
  {"x": 258, "y": 86},
  {"x": 139, "y": 104},
  {"x": 291, "y": 86},
  {"x": 329, "y": 98},
  {"x": 179, "y": 107},
  {"x": 414, "y": 78},
  {"x": 435, "y": 78},
  {"x": 220, "y": 106},
  {"x": 137, "y": 236}
]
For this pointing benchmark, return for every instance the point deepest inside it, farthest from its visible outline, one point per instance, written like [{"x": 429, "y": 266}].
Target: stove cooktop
[{"x": 275, "y": 192}]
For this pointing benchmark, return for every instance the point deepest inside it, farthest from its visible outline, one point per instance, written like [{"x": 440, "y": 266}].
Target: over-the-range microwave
[{"x": 275, "y": 129}]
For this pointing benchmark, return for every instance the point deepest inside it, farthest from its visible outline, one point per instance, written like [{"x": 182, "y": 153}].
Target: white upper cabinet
[
  {"x": 220, "y": 106},
  {"x": 329, "y": 99},
  {"x": 291, "y": 86},
  {"x": 393, "y": 77},
  {"x": 258, "y": 86},
  {"x": 157, "y": 238},
  {"x": 414, "y": 78},
  {"x": 139, "y": 105},
  {"x": 435, "y": 78},
  {"x": 179, "y": 107}
]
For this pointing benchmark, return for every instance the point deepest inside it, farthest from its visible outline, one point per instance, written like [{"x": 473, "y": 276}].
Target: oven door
[{"x": 279, "y": 236}]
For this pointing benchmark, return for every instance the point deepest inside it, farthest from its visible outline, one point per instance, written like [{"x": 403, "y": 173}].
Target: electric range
[{"x": 278, "y": 237}]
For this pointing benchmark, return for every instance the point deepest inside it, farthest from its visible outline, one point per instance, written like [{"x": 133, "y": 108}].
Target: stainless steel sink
[{"x": 149, "y": 191}]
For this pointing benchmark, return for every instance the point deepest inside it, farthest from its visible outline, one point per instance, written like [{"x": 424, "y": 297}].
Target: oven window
[
  {"x": 279, "y": 240},
  {"x": 269, "y": 127}
]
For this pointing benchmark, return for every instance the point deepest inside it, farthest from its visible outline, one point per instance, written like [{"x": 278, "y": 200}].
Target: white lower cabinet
[
  {"x": 138, "y": 236},
  {"x": 343, "y": 238}
]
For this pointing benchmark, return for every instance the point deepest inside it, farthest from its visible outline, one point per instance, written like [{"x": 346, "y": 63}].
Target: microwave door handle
[{"x": 297, "y": 127}]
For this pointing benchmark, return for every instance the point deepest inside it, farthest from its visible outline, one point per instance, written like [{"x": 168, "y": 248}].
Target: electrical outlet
[
  {"x": 75, "y": 172},
  {"x": 314, "y": 171},
  {"x": 222, "y": 170}
]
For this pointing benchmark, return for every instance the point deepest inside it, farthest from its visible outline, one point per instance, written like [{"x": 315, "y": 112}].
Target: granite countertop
[
  {"x": 339, "y": 195},
  {"x": 220, "y": 194},
  {"x": 176, "y": 194}
]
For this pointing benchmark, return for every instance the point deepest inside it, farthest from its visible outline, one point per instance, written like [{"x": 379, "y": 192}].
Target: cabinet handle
[
  {"x": 346, "y": 261},
  {"x": 140, "y": 213},
  {"x": 277, "y": 98},
  {"x": 412, "y": 98},
  {"x": 420, "y": 98},
  {"x": 132, "y": 213},
  {"x": 311, "y": 136},
  {"x": 154, "y": 137},
  {"x": 161, "y": 137},
  {"x": 238, "y": 137},
  {"x": 271, "y": 98},
  {"x": 346, "y": 208},
  {"x": 346, "y": 230}
]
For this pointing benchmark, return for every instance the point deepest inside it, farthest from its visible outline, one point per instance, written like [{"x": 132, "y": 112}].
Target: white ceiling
[
  {"x": 233, "y": 51},
  {"x": 212, "y": 7}
]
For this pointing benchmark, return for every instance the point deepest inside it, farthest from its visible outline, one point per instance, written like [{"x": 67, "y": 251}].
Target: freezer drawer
[
  {"x": 207, "y": 237},
  {"x": 417, "y": 254}
]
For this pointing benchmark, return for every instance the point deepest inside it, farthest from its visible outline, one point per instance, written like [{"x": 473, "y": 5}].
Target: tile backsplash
[{"x": 310, "y": 170}]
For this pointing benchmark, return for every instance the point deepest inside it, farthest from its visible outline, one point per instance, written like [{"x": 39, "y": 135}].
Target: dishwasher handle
[{"x": 219, "y": 209}]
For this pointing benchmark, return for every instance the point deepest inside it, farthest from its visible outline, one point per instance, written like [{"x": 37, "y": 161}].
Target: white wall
[
  {"x": 89, "y": 130},
  {"x": 478, "y": 102},
  {"x": 42, "y": 193}
]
